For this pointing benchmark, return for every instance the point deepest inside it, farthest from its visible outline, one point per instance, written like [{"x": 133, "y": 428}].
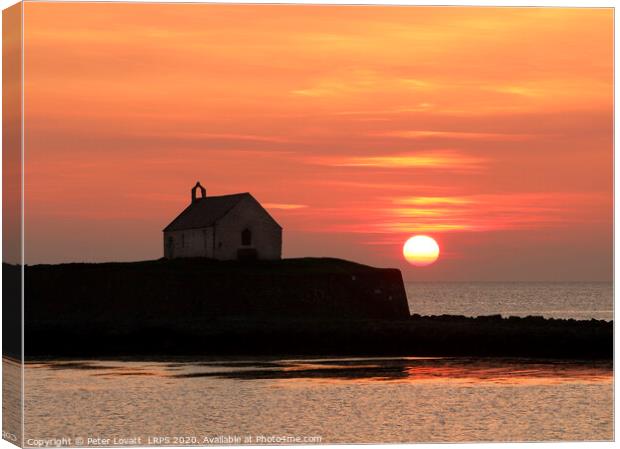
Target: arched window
[{"x": 246, "y": 237}]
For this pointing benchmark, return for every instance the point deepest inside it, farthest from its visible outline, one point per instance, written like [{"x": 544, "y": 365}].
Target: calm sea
[
  {"x": 578, "y": 300},
  {"x": 341, "y": 400}
]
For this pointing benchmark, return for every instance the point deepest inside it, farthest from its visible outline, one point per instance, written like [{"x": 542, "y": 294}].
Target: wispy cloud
[
  {"x": 443, "y": 159},
  {"x": 485, "y": 212},
  {"x": 419, "y": 107},
  {"x": 461, "y": 135},
  {"x": 183, "y": 136},
  {"x": 433, "y": 200},
  {"x": 472, "y": 213},
  {"x": 518, "y": 90},
  {"x": 359, "y": 81},
  {"x": 377, "y": 185},
  {"x": 284, "y": 206}
]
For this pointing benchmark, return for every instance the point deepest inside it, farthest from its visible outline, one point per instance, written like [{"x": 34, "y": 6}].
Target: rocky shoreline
[{"x": 492, "y": 336}]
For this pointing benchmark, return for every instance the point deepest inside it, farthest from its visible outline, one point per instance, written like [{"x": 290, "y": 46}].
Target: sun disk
[{"x": 421, "y": 250}]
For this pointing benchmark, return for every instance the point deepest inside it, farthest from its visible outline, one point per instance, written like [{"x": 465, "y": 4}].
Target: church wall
[
  {"x": 189, "y": 243},
  {"x": 248, "y": 214}
]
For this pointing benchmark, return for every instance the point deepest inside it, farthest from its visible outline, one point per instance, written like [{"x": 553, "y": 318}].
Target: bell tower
[{"x": 203, "y": 192}]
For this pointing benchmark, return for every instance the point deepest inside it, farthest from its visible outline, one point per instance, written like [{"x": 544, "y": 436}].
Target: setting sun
[{"x": 421, "y": 250}]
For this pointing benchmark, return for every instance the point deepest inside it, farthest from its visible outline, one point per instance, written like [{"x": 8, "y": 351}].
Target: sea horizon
[{"x": 560, "y": 300}]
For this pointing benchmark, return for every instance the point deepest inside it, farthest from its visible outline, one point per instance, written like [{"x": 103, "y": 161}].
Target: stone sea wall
[
  {"x": 296, "y": 307},
  {"x": 174, "y": 292}
]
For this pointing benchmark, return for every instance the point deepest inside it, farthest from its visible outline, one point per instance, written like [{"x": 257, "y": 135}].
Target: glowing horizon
[{"x": 356, "y": 127}]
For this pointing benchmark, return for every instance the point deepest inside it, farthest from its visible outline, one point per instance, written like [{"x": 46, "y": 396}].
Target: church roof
[{"x": 204, "y": 212}]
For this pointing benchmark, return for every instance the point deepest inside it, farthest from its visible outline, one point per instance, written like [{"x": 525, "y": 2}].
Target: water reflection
[
  {"x": 343, "y": 400},
  {"x": 409, "y": 369}
]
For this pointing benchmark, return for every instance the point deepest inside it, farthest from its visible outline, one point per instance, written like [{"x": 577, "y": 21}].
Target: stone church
[{"x": 227, "y": 227}]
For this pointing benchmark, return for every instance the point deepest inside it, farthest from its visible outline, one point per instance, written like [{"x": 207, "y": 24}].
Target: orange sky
[{"x": 489, "y": 129}]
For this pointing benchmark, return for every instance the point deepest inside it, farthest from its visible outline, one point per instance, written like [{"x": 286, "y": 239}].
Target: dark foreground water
[
  {"x": 578, "y": 300},
  {"x": 362, "y": 400}
]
